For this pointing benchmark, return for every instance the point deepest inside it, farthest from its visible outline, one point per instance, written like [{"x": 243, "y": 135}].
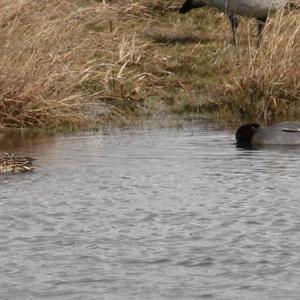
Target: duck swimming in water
[
  {"x": 13, "y": 163},
  {"x": 284, "y": 133},
  {"x": 259, "y": 9}
]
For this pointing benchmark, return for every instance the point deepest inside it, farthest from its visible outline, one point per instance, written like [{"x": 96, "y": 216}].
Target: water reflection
[
  {"x": 14, "y": 140},
  {"x": 278, "y": 155},
  {"x": 151, "y": 213}
]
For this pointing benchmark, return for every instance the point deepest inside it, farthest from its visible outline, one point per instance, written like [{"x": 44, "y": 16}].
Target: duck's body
[
  {"x": 247, "y": 8},
  {"x": 259, "y": 9},
  {"x": 285, "y": 133},
  {"x": 13, "y": 163}
]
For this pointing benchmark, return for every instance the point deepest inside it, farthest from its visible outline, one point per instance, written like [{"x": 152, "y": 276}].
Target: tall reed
[{"x": 266, "y": 83}]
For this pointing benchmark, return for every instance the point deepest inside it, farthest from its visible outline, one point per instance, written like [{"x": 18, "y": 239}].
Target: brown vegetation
[
  {"x": 266, "y": 85},
  {"x": 80, "y": 63}
]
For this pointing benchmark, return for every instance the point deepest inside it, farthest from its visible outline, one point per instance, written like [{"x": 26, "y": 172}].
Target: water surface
[{"x": 151, "y": 214}]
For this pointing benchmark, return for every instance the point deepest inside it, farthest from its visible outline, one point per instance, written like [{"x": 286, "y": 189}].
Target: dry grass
[
  {"x": 75, "y": 63},
  {"x": 40, "y": 65},
  {"x": 266, "y": 82},
  {"x": 80, "y": 63}
]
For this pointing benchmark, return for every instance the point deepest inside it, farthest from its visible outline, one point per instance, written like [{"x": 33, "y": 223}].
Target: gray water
[{"x": 151, "y": 214}]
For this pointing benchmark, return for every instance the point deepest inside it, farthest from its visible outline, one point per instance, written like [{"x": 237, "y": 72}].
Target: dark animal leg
[
  {"x": 234, "y": 25},
  {"x": 261, "y": 22}
]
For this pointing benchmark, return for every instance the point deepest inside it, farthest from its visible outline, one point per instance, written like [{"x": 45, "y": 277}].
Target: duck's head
[
  {"x": 191, "y": 4},
  {"x": 245, "y": 134}
]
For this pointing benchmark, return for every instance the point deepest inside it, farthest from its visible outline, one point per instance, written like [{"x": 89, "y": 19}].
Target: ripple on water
[{"x": 152, "y": 214}]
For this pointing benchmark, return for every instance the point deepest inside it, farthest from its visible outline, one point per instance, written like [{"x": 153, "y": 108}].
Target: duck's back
[
  {"x": 285, "y": 133},
  {"x": 249, "y": 8}
]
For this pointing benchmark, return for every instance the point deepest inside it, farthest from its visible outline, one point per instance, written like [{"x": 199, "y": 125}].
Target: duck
[
  {"x": 14, "y": 163},
  {"x": 284, "y": 133},
  {"x": 259, "y": 9}
]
